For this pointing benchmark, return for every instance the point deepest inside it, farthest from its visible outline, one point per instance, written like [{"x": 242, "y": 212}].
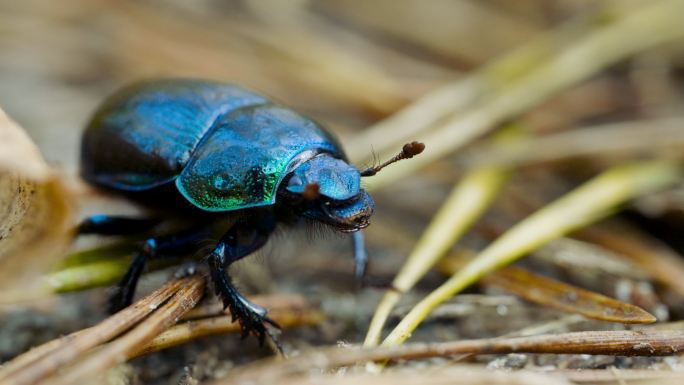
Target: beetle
[{"x": 218, "y": 155}]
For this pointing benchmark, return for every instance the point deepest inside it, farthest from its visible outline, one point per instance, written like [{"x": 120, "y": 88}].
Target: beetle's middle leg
[
  {"x": 244, "y": 237},
  {"x": 168, "y": 246},
  {"x": 103, "y": 224}
]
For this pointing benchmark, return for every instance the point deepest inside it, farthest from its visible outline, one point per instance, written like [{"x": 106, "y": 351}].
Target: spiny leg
[
  {"x": 168, "y": 246},
  {"x": 246, "y": 236},
  {"x": 114, "y": 225},
  {"x": 250, "y": 316}
]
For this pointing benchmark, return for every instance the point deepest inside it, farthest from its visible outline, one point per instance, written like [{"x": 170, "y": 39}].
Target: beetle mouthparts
[
  {"x": 407, "y": 152},
  {"x": 311, "y": 192}
]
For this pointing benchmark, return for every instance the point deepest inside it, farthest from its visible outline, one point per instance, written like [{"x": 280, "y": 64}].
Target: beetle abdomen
[{"x": 145, "y": 134}]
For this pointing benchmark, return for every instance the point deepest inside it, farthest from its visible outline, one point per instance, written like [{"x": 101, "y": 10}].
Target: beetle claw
[{"x": 252, "y": 318}]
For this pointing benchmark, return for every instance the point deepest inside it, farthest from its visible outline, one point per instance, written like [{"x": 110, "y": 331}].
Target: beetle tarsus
[
  {"x": 124, "y": 291},
  {"x": 252, "y": 318}
]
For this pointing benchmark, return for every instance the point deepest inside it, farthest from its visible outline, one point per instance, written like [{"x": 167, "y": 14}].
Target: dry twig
[
  {"x": 117, "y": 352},
  {"x": 44, "y": 360},
  {"x": 619, "y": 343}
]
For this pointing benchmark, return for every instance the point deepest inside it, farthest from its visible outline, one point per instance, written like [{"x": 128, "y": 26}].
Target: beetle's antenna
[{"x": 408, "y": 151}]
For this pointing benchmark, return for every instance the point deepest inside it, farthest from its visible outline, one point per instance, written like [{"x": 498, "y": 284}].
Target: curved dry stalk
[
  {"x": 46, "y": 359},
  {"x": 650, "y": 136},
  {"x": 191, "y": 330},
  {"x": 585, "y": 204},
  {"x": 645, "y": 27},
  {"x": 471, "y": 196},
  {"x": 117, "y": 351},
  {"x": 618, "y": 343}
]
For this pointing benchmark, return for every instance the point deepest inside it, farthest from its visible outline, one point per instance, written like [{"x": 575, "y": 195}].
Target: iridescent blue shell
[{"x": 224, "y": 147}]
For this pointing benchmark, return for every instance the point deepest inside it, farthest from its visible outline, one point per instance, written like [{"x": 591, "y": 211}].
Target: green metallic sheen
[{"x": 244, "y": 159}]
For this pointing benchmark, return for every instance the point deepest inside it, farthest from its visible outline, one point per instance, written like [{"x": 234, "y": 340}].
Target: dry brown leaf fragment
[
  {"x": 35, "y": 215},
  {"x": 545, "y": 291}
]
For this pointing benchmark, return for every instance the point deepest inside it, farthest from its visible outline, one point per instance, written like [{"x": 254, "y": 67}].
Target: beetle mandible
[{"x": 219, "y": 156}]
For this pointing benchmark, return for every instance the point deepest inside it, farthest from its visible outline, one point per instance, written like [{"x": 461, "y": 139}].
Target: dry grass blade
[
  {"x": 44, "y": 360},
  {"x": 585, "y": 204},
  {"x": 85, "y": 276},
  {"x": 471, "y": 196},
  {"x": 654, "y": 136},
  {"x": 115, "y": 250},
  {"x": 117, "y": 351},
  {"x": 619, "y": 343},
  {"x": 643, "y": 28},
  {"x": 549, "y": 292}
]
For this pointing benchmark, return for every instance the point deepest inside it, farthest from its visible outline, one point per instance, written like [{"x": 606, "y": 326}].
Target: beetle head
[{"x": 330, "y": 192}]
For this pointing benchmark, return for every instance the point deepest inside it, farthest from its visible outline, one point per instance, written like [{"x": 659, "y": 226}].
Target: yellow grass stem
[
  {"x": 465, "y": 204},
  {"x": 587, "y": 203}
]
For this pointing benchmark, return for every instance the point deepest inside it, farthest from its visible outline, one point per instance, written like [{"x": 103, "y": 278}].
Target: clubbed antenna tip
[{"x": 408, "y": 151}]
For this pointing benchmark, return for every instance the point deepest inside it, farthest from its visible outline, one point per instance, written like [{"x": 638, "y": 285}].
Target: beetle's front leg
[
  {"x": 246, "y": 236},
  {"x": 250, "y": 316}
]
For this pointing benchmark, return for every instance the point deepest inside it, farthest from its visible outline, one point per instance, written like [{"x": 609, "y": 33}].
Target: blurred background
[
  {"x": 346, "y": 63},
  {"x": 350, "y": 65}
]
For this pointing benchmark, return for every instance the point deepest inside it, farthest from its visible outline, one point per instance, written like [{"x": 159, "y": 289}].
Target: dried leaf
[
  {"x": 35, "y": 215},
  {"x": 550, "y": 292}
]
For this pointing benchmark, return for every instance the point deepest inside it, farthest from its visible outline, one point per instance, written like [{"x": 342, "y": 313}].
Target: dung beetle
[{"x": 215, "y": 153}]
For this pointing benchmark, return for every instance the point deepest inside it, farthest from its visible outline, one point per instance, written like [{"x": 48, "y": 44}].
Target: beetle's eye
[{"x": 295, "y": 181}]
